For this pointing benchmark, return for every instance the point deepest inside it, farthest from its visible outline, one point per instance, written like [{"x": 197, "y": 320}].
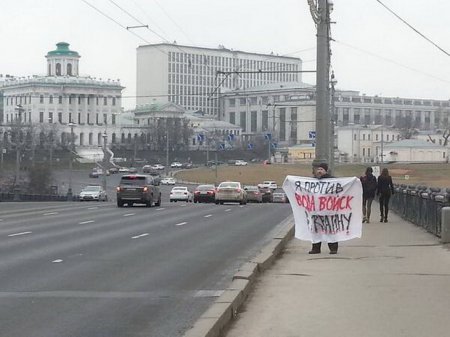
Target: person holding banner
[
  {"x": 385, "y": 189},
  {"x": 369, "y": 185},
  {"x": 325, "y": 208},
  {"x": 320, "y": 172}
]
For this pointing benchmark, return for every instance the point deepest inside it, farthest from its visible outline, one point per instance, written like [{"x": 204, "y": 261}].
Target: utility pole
[
  {"x": 332, "y": 123},
  {"x": 320, "y": 11},
  {"x": 105, "y": 162},
  {"x": 18, "y": 143},
  {"x": 72, "y": 148}
]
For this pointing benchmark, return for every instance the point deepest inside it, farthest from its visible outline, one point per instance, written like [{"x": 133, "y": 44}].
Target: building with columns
[{"x": 64, "y": 101}]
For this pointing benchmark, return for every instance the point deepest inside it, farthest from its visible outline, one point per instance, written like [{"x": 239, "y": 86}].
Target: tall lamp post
[
  {"x": 18, "y": 144},
  {"x": 69, "y": 190},
  {"x": 105, "y": 164}
]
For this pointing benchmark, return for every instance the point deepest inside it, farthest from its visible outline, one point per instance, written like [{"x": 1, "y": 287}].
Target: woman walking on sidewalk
[
  {"x": 385, "y": 189},
  {"x": 369, "y": 185}
]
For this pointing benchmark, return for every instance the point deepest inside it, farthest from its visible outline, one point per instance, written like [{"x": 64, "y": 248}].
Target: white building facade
[
  {"x": 64, "y": 101},
  {"x": 188, "y": 76}
]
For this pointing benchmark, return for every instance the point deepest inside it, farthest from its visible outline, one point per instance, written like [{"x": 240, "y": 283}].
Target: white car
[
  {"x": 168, "y": 181},
  {"x": 180, "y": 193},
  {"x": 176, "y": 164},
  {"x": 158, "y": 167},
  {"x": 93, "y": 192},
  {"x": 124, "y": 170},
  {"x": 268, "y": 184},
  {"x": 241, "y": 163}
]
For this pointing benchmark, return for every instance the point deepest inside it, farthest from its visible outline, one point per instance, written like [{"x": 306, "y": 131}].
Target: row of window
[
  {"x": 397, "y": 101},
  {"x": 99, "y": 119},
  {"x": 14, "y": 100},
  {"x": 230, "y": 62},
  {"x": 378, "y": 137}
]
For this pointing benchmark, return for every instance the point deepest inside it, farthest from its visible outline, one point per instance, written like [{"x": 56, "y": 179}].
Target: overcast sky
[{"x": 374, "y": 52}]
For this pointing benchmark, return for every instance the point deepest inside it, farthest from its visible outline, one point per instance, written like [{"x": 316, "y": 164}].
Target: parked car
[
  {"x": 158, "y": 167},
  {"x": 280, "y": 197},
  {"x": 266, "y": 194},
  {"x": 96, "y": 172},
  {"x": 93, "y": 193},
  {"x": 176, "y": 164},
  {"x": 269, "y": 183},
  {"x": 180, "y": 193},
  {"x": 240, "y": 163},
  {"x": 205, "y": 193},
  {"x": 138, "y": 189},
  {"x": 168, "y": 181},
  {"x": 147, "y": 168},
  {"x": 253, "y": 194},
  {"x": 113, "y": 170},
  {"x": 230, "y": 191}
]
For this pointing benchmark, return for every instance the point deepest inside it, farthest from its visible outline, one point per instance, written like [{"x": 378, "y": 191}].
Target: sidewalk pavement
[{"x": 394, "y": 281}]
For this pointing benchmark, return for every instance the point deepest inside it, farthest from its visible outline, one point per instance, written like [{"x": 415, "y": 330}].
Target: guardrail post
[{"x": 445, "y": 229}]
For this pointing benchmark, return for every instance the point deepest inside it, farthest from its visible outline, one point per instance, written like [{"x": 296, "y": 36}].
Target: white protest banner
[{"x": 328, "y": 209}]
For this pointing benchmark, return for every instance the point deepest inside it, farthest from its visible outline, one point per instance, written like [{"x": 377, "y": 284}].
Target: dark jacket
[
  {"x": 385, "y": 185},
  {"x": 369, "y": 185},
  {"x": 326, "y": 175}
]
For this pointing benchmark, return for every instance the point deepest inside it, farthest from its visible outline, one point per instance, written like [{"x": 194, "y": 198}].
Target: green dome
[{"x": 62, "y": 49}]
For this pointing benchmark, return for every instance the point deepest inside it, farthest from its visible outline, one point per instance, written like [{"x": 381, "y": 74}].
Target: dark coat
[
  {"x": 385, "y": 185},
  {"x": 369, "y": 185}
]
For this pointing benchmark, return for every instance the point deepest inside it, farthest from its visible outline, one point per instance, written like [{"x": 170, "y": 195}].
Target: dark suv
[{"x": 138, "y": 189}]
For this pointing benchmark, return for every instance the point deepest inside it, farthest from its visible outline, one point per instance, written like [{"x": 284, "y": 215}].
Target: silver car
[
  {"x": 93, "y": 192},
  {"x": 230, "y": 191}
]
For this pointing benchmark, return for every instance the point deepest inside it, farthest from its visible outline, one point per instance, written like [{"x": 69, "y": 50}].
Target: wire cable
[
  {"x": 116, "y": 22},
  {"x": 137, "y": 20},
  {"x": 390, "y": 61},
  {"x": 414, "y": 29}
]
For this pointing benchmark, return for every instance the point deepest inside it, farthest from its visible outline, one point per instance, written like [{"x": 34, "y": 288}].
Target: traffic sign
[
  {"x": 250, "y": 146},
  {"x": 200, "y": 137},
  {"x": 268, "y": 136},
  {"x": 230, "y": 137},
  {"x": 222, "y": 146},
  {"x": 274, "y": 145},
  {"x": 312, "y": 134}
]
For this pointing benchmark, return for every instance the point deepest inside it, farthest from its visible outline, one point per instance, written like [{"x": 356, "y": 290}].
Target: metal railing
[{"x": 421, "y": 205}]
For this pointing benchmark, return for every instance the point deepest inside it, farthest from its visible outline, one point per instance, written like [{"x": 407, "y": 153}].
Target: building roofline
[{"x": 218, "y": 49}]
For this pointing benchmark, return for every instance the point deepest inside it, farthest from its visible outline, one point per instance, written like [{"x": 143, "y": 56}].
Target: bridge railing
[{"x": 421, "y": 205}]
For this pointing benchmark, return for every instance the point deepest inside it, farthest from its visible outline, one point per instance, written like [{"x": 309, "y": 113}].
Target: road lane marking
[
  {"x": 129, "y": 214},
  {"x": 139, "y": 236},
  {"x": 160, "y": 209},
  {"x": 183, "y": 205},
  {"x": 57, "y": 261},
  {"x": 207, "y": 216},
  {"x": 228, "y": 209},
  {"x": 85, "y": 222},
  {"x": 50, "y": 213},
  {"x": 181, "y": 224},
  {"x": 93, "y": 207},
  {"x": 241, "y": 206},
  {"x": 17, "y": 234}
]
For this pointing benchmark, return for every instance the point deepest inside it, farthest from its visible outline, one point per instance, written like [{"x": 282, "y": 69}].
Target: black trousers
[
  {"x": 333, "y": 246},
  {"x": 384, "y": 204}
]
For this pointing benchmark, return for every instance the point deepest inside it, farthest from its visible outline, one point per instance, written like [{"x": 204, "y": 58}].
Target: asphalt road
[{"x": 84, "y": 269}]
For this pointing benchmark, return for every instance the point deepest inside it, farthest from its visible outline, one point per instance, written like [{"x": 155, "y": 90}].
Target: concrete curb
[{"x": 217, "y": 318}]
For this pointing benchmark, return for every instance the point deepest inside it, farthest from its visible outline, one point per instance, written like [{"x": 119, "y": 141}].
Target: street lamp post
[
  {"x": 18, "y": 144},
  {"x": 105, "y": 164},
  {"x": 167, "y": 148},
  {"x": 69, "y": 190}
]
